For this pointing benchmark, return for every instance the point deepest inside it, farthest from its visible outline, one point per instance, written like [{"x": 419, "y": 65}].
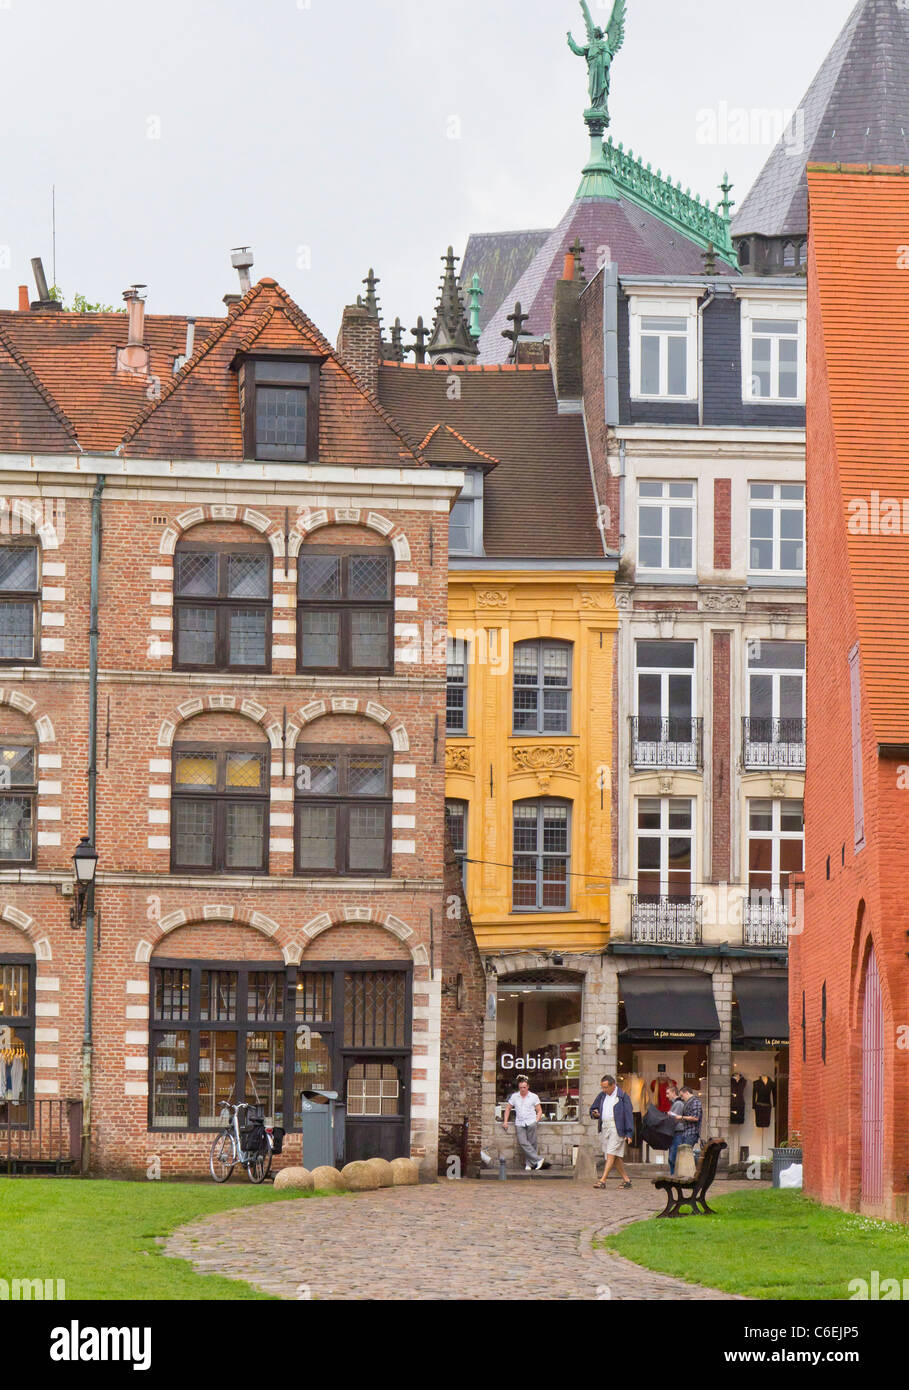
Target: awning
[
  {"x": 668, "y": 1006},
  {"x": 762, "y": 1017}
]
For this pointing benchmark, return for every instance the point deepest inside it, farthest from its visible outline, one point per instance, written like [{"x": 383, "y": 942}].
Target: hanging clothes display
[
  {"x": 737, "y": 1100},
  {"x": 763, "y": 1099},
  {"x": 658, "y": 1087},
  {"x": 637, "y": 1089}
]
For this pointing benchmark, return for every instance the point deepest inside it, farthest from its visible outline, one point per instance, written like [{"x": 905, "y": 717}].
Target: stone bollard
[{"x": 503, "y": 1167}]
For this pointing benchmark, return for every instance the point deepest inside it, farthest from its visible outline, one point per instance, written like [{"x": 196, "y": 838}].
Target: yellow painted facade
[{"x": 491, "y": 767}]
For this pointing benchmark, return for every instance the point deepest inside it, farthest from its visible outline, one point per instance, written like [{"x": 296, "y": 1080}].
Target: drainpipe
[
  {"x": 708, "y": 299},
  {"x": 92, "y": 822}
]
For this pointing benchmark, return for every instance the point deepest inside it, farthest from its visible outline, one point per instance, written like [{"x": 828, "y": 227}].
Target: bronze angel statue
[{"x": 599, "y": 51}]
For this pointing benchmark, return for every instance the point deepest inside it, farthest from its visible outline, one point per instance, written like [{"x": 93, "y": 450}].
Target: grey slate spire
[
  {"x": 856, "y": 111},
  {"x": 451, "y": 343}
]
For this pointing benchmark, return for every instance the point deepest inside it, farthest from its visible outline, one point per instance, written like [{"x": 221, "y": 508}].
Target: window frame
[
  {"x": 343, "y": 802},
  {"x": 779, "y": 311},
  {"x": 345, "y": 607},
  {"x": 454, "y": 647},
  {"x": 22, "y": 598},
  {"x": 471, "y": 495},
  {"x": 641, "y": 308},
  {"x": 29, "y": 790},
  {"x": 220, "y": 796},
  {"x": 461, "y": 806},
  {"x": 251, "y": 380},
  {"x": 541, "y": 803},
  {"x": 223, "y": 604},
  {"x": 664, "y": 834},
  {"x": 775, "y": 836},
  {"x": 27, "y": 1024},
  {"x": 776, "y": 505},
  {"x": 666, "y": 503},
  {"x": 539, "y": 728}
]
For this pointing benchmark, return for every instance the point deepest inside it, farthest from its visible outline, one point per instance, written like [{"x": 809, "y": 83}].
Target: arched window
[
  {"x": 342, "y": 818},
  {"x": 222, "y": 607},
  {"x": 19, "y": 593},
  {"x": 219, "y": 808},
  {"x": 541, "y": 855},
  {"x": 345, "y": 610},
  {"x": 542, "y": 687},
  {"x": 788, "y": 255},
  {"x": 18, "y": 789}
]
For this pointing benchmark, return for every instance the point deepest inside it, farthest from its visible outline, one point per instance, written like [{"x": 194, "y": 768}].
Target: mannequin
[
  {"x": 763, "y": 1099},
  {"x": 737, "y": 1099}
]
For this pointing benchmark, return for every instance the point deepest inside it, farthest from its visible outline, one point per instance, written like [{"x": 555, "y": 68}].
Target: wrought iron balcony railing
[
  {"x": 773, "y": 743},
  {"x": 666, "y": 742},
  {"x": 765, "y": 921},
  {"x": 666, "y": 921}
]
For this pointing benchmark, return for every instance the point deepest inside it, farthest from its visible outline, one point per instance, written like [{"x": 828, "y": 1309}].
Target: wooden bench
[{"x": 675, "y": 1188}]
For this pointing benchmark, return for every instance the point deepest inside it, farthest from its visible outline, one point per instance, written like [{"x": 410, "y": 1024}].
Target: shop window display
[
  {"x": 539, "y": 1036},
  {"x": 16, "y": 1039}
]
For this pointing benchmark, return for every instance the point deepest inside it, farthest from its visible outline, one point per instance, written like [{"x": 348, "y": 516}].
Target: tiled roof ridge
[
  {"x": 300, "y": 321},
  {"x": 840, "y": 168},
  {"x": 34, "y": 380},
  {"x": 489, "y": 367},
  {"x": 481, "y": 453}
]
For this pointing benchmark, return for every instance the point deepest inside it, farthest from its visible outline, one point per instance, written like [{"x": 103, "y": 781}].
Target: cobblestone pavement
[{"x": 453, "y": 1240}]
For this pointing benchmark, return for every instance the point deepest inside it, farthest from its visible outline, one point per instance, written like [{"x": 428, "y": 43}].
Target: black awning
[
  {"x": 762, "y": 1017},
  {"x": 668, "y": 1006}
]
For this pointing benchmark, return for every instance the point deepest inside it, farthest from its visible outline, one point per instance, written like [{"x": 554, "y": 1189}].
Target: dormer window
[
  {"x": 281, "y": 409},
  {"x": 465, "y": 522},
  {"x": 663, "y": 348}
]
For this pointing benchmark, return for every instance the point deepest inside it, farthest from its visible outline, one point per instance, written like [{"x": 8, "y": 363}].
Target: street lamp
[{"x": 85, "y": 863}]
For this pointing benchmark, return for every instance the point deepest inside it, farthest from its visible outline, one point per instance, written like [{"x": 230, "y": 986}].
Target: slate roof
[
  {"x": 538, "y": 500},
  {"x": 856, "y": 111},
  {"x": 499, "y": 259},
  {"x": 639, "y": 242},
  {"x": 862, "y": 314}
]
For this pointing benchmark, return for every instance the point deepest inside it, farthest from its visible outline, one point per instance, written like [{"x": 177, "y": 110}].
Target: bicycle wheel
[
  {"x": 223, "y": 1156},
  {"x": 259, "y": 1166}
]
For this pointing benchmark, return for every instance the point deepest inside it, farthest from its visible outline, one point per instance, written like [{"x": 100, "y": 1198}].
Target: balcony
[
  {"x": 666, "y": 921},
  {"x": 765, "y": 921},
  {"x": 666, "y": 742},
  {"x": 773, "y": 743}
]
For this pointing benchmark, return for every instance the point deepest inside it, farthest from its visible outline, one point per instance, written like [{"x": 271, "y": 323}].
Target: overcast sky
[{"x": 331, "y": 135}]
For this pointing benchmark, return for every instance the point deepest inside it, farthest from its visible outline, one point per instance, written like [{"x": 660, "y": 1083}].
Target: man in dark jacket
[{"x": 615, "y": 1123}]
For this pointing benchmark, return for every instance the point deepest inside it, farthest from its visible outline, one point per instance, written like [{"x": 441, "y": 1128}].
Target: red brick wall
[
  {"x": 866, "y": 896},
  {"x": 721, "y": 867},
  {"x": 722, "y": 523}
]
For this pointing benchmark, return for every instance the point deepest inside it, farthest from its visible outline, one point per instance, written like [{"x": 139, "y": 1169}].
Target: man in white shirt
[{"x": 527, "y": 1114}]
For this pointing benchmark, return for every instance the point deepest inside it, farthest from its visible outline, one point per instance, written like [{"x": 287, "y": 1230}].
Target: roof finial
[
  {"x": 599, "y": 53},
  {"x": 451, "y": 342},
  {"x": 519, "y": 331},
  {"x": 397, "y": 347},
  {"x": 474, "y": 295},
  {"x": 725, "y": 205},
  {"x": 420, "y": 333},
  {"x": 371, "y": 301},
  {"x": 709, "y": 259}
]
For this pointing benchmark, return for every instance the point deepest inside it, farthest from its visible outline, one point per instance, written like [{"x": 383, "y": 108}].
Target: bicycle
[{"x": 251, "y": 1144}]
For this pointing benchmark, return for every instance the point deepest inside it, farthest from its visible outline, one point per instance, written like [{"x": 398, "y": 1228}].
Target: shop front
[
  {"x": 759, "y": 1075},
  {"x": 539, "y": 1036},
  {"x": 667, "y": 1020}
]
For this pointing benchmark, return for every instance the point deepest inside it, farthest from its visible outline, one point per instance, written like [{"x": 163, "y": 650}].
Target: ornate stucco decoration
[
  {"x": 722, "y": 601},
  {"x": 457, "y": 759},
  {"x": 492, "y": 598},
  {"x": 543, "y": 760}
]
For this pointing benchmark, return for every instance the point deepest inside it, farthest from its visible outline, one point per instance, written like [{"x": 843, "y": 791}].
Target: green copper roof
[{"x": 613, "y": 172}]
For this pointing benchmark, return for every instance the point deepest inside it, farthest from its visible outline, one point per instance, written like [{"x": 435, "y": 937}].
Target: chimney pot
[{"x": 23, "y": 299}]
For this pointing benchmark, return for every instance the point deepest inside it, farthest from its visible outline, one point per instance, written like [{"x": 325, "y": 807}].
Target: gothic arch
[
  {"x": 15, "y": 917},
  {"x": 218, "y": 704},
  {"x": 246, "y": 516},
  {"x": 26, "y": 705}
]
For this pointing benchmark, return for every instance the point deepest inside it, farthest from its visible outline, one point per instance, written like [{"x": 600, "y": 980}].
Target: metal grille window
[
  {"x": 18, "y": 604},
  {"x": 373, "y": 1088},
  {"x": 456, "y": 689},
  {"x": 219, "y": 810},
  {"x": 18, "y": 790},
  {"x": 219, "y": 1031},
  {"x": 282, "y": 409},
  {"x": 541, "y": 855},
  {"x": 343, "y": 811},
  {"x": 375, "y": 1008},
  {"x": 222, "y": 608},
  {"x": 665, "y": 526},
  {"x": 542, "y": 687},
  {"x": 345, "y": 610},
  {"x": 777, "y": 528},
  {"x": 17, "y": 1038}
]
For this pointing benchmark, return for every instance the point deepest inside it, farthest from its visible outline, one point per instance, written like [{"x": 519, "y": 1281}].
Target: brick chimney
[
  {"x": 23, "y": 299},
  {"x": 565, "y": 335},
  {"x": 134, "y": 357},
  {"x": 359, "y": 344}
]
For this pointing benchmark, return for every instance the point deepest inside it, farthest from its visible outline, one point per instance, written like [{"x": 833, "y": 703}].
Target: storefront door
[{"x": 376, "y": 1092}]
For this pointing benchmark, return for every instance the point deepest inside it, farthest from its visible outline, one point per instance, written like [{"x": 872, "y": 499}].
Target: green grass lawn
[
  {"x": 767, "y": 1244},
  {"x": 100, "y": 1236}
]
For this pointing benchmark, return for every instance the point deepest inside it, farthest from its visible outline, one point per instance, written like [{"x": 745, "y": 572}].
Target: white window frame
[
  {"x": 776, "y": 675},
  {"x": 761, "y": 309},
  {"x": 641, "y": 307},
  {"x": 664, "y": 672},
  {"x": 664, "y": 835},
  {"x": 471, "y": 494},
  {"x": 776, "y": 835},
  {"x": 665, "y": 502},
  {"x": 777, "y": 504}
]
